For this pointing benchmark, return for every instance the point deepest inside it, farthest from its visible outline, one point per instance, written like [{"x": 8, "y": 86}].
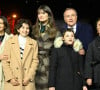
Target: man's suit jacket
[{"x": 84, "y": 32}]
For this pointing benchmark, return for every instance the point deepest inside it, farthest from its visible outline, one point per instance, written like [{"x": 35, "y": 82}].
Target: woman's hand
[
  {"x": 14, "y": 82},
  {"x": 25, "y": 81},
  {"x": 3, "y": 57}
]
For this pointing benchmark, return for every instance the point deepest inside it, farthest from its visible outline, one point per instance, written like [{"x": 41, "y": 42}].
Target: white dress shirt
[{"x": 74, "y": 28}]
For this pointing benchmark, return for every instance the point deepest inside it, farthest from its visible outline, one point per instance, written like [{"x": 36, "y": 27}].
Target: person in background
[
  {"x": 66, "y": 71},
  {"x": 20, "y": 68},
  {"x": 4, "y": 35},
  {"x": 83, "y": 31},
  {"x": 92, "y": 65},
  {"x": 44, "y": 31}
]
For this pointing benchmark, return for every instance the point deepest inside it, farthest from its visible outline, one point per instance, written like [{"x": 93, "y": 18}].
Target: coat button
[
  {"x": 24, "y": 68},
  {"x": 31, "y": 80},
  {"x": 17, "y": 68},
  {"x": 16, "y": 77}
]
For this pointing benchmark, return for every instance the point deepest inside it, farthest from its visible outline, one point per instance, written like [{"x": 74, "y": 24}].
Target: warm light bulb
[{"x": 14, "y": 15}]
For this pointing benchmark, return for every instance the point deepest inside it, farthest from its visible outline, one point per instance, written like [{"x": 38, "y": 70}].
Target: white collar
[
  {"x": 22, "y": 40},
  {"x": 74, "y": 28}
]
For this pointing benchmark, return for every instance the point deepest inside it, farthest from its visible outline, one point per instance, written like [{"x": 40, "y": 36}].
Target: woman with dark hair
[
  {"x": 20, "y": 68},
  {"x": 4, "y": 35},
  {"x": 20, "y": 21},
  {"x": 44, "y": 31}
]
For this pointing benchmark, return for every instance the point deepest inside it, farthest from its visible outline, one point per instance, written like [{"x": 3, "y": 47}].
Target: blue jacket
[{"x": 84, "y": 32}]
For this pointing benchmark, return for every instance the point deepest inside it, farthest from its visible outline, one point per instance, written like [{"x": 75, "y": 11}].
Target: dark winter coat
[
  {"x": 84, "y": 33},
  {"x": 92, "y": 65},
  {"x": 65, "y": 69}
]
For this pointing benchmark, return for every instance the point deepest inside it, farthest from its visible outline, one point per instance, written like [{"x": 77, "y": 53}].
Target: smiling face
[
  {"x": 24, "y": 30},
  {"x": 68, "y": 37},
  {"x": 70, "y": 17},
  {"x": 43, "y": 16}
]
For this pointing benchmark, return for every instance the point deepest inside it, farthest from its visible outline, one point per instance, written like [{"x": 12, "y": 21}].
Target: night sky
[{"x": 87, "y": 9}]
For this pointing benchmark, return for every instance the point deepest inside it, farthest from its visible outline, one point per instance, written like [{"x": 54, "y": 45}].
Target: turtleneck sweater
[{"x": 22, "y": 42}]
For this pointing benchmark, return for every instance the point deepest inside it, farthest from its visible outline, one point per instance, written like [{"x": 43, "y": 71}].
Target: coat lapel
[
  {"x": 3, "y": 42},
  {"x": 27, "y": 49},
  {"x": 16, "y": 48},
  {"x": 78, "y": 29}
]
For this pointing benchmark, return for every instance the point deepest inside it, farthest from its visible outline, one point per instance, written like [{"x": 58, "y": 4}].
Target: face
[
  {"x": 70, "y": 17},
  {"x": 24, "y": 30},
  {"x": 98, "y": 27},
  {"x": 68, "y": 38},
  {"x": 42, "y": 16},
  {"x": 1, "y": 25}
]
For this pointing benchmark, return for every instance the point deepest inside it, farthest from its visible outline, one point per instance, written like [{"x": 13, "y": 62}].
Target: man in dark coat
[
  {"x": 83, "y": 31},
  {"x": 92, "y": 65}
]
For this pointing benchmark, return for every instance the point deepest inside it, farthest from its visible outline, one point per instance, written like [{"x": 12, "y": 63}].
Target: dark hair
[
  {"x": 19, "y": 24},
  {"x": 98, "y": 19},
  {"x": 6, "y": 24},
  {"x": 68, "y": 30},
  {"x": 50, "y": 27},
  {"x": 47, "y": 9}
]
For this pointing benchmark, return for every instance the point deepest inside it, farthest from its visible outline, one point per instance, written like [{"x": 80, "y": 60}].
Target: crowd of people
[{"x": 45, "y": 57}]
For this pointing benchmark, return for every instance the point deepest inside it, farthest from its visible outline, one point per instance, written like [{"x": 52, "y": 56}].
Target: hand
[
  {"x": 82, "y": 52},
  {"x": 14, "y": 82},
  {"x": 89, "y": 81},
  {"x": 52, "y": 88},
  {"x": 3, "y": 57},
  {"x": 25, "y": 82},
  {"x": 85, "y": 88}
]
